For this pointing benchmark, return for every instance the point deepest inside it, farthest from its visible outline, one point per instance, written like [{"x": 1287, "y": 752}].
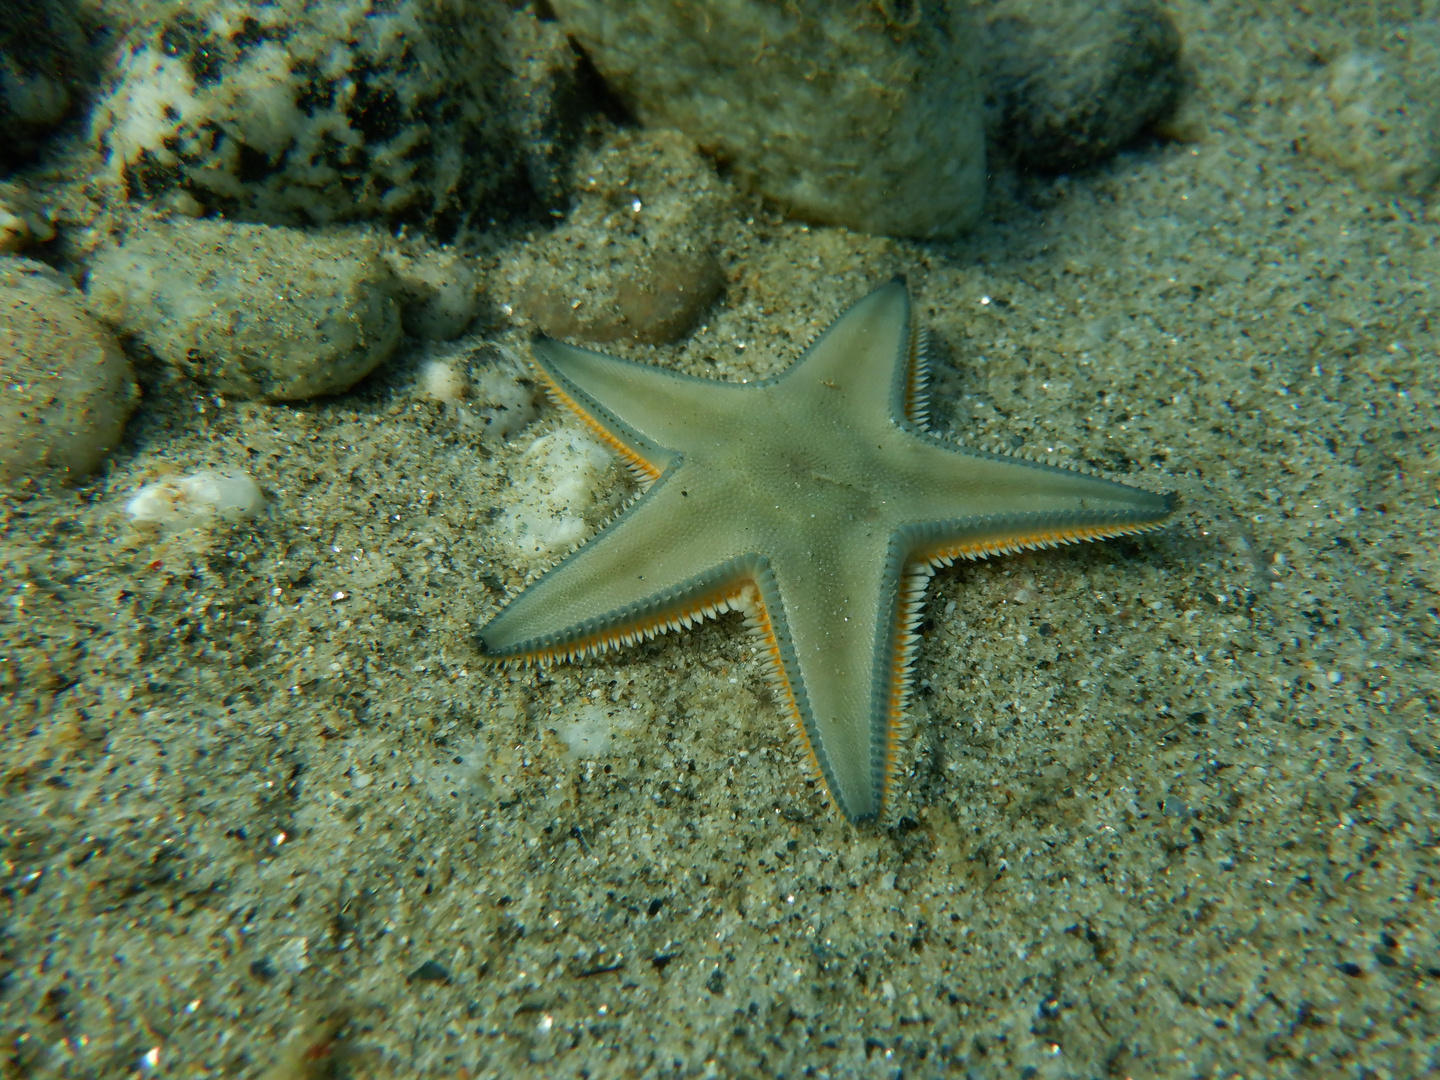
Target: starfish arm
[
  {"x": 652, "y": 570},
  {"x": 840, "y": 625},
  {"x": 957, "y": 503},
  {"x": 646, "y": 414},
  {"x": 866, "y": 369}
]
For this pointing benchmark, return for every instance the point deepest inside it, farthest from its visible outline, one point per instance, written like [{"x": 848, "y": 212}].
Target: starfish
[{"x": 818, "y": 504}]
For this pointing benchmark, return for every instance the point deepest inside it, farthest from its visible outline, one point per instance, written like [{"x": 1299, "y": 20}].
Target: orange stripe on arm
[
  {"x": 757, "y": 621},
  {"x": 638, "y": 464},
  {"x": 983, "y": 547},
  {"x": 696, "y": 610}
]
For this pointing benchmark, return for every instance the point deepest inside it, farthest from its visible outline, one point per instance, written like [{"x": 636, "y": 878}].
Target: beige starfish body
[{"x": 817, "y": 504}]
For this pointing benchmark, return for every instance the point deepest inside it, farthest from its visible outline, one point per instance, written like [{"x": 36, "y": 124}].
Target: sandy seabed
[{"x": 1169, "y": 808}]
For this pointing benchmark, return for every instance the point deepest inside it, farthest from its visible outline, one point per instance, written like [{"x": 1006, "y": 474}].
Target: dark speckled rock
[{"x": 435, "y": 115}]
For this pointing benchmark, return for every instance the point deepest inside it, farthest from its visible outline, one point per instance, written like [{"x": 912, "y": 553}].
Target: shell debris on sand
[
  {"x": 444, "y": 380},
  {"x": 197, "y": 498},
  {"x": 483, "y": 386}
]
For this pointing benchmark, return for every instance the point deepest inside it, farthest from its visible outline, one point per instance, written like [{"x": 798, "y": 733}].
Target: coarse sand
[{"x": 1170, "y": 804}]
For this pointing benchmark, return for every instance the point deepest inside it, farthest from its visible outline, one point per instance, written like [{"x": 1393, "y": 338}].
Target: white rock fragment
[
  {"x": 503, "y": 403},
  {"x": 491, "y": 395},
  {"x": 197, "y": 498},
  {"x": 66, "y": 389},
  {"x": 555, "y": 483},
  {"x": 444, "y": 380}
]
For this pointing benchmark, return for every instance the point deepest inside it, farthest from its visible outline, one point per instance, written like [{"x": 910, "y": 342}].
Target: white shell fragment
[{"x": 189, "y": 500}]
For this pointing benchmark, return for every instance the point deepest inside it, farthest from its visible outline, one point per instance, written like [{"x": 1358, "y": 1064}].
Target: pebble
[
  {"x": 24, "y": 221},
  {"x": 252, "y": 311},
  {"x": 863, "y": 115},
  {"x": 438, "y": 290},
  {"x": 635, "y": 259},
  {"x": 1366, "y": 115},
  {"x": 66, "y": 388},
  {"x": 1070, "y": 83}
]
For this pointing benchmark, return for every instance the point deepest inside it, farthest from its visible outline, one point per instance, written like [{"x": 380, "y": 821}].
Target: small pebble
[
  {"x": 23, "y": 221},
  {"x": 438, "y": 291},
  {"x": 431, "y": 971},
  {"x": 635, "y": 260}
]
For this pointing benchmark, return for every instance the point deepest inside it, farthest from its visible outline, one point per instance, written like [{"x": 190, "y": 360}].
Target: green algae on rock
[
  {"x": 867, "y": 116},
  {"x": 66, "y": 389},
  {"x": 254, "y": 311}
]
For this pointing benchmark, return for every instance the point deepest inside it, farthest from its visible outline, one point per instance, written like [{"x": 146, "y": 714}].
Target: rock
[
  {"x": 635, "y": 259},
  {"x": 42, "y": 54},
  {"x": 863, "y": 115},
  {"x": 548, "y": 103},
  {"x": 438, "y": 290},
  {"x": 300, "y": 113},
  {"x": 23, "y": 220},
  {"x": 1071, "y": 82},
  {"x": 1366, "y": 115},
  {"x": 444, "y": 379},
  {"x": 66, "y": 389},
  {"x": 255, "y": 311},
  {"x": 200, "y": 498}
]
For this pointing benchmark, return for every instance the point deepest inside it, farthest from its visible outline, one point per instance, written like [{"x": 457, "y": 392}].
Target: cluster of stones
[{"x": 265, "y": 158}]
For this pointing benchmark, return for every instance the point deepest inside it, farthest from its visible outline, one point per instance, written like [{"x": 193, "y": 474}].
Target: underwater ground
[{"x": 1169, "y": 807}]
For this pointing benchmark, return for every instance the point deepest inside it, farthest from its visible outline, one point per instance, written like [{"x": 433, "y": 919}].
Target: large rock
[
  {"x": 864, "y": 115},
  {"x": 66, "y": 389},
  {"x": 298, "y": 113},
  {"x": 254, "y": 311}
]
